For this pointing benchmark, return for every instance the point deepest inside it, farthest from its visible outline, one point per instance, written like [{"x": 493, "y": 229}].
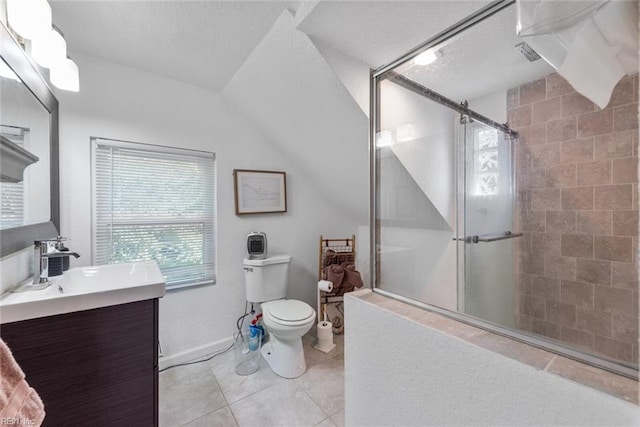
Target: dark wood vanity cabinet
[{"x": 92, "y": 368}]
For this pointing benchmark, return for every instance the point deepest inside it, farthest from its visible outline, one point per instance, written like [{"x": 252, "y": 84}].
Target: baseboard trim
[{"x": 195, "y": 353}]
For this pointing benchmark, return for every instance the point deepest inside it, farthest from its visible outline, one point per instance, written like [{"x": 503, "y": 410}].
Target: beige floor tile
[
  {"x": 236, "y": 387},
  {"x": 338, "y": 418},
  {"x": 324, "y": 383},
  {"x": 314, "y": 356},
  {"x": 283, "y": 404},
  {"x": 326, "y": 423},
  {"x": 188, "y": 395},
  {"x": 197, "y": 395},
  {"x": 178, "y": 373},
  {"x": 223, "y": 417}
]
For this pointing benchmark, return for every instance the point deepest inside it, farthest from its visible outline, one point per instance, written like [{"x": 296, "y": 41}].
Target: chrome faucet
[{"x": 43, "y": 251}]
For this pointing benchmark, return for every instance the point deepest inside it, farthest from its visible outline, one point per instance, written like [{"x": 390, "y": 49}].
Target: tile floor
[{"x": 211, "y": 394}]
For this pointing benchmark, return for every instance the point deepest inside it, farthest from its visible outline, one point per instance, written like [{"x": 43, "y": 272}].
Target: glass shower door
[{"x": 486, "y": 226}]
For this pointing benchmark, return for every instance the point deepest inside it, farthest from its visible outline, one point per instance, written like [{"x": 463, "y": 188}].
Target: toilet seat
[{"x": 288, "y": 312}]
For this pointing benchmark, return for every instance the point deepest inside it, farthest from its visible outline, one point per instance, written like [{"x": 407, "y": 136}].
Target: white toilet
[{"x": 286, "y": 320}]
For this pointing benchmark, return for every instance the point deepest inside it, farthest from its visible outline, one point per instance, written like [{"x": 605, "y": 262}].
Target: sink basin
[
  {"x": 84, "y": 288},
  {"x": 108, "y": 277}
]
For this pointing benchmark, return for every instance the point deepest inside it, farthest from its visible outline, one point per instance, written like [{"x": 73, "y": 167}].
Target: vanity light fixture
[
  {"x": 65, "y": 75},
  {"x": 427, "y": 57},
  {"x": 29, "y": 18},
  {"x": 49, "y": 48}
]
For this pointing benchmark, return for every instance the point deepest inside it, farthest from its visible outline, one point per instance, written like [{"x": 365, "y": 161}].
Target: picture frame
[{"x": 259, "y": 191}]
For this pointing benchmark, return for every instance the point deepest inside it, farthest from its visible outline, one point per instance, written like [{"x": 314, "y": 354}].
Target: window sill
[
  {"x": 596, "y": 378},
  {"x": 190, "y": 286}
]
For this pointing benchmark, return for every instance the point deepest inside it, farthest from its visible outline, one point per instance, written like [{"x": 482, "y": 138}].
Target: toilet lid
[{"x": 290, "y": 310}]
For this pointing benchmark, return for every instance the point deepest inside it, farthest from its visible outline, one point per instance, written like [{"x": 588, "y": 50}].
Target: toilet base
[{"x": 284, "y": 357}]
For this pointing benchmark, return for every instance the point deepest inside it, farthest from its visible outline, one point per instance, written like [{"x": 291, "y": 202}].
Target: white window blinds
[
  {"x": 152, "y": 202},
  {"x": 12, "y": 193}
]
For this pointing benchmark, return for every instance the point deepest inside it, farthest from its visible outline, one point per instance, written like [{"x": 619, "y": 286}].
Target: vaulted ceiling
[
  {"x": 205, "y": 42},
  {"x": 197, "y": 42}
]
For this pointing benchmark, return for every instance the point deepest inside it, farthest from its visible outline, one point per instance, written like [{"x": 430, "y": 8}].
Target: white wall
[
  {"x": 124, "y": 103},
  {"x": 398, "y": 372},
  {"x": 289, "y": 90},
  {"x": 353, "y": 74}
]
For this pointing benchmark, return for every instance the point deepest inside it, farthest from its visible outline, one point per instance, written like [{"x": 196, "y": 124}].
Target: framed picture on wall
[{"x": 259, "y": 191}]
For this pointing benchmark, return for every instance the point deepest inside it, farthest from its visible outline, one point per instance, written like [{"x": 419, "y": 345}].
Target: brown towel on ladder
[
  {"x": 335, "y": 274},
  {"x": 345, "y": 277},
  {"x": 19, "y": 403},
  {"x": 352, "y": 277}
]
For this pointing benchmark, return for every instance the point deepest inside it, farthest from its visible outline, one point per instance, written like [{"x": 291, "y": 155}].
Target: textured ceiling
[
  {"x": 480, "y": 61},
  {"x": 198, "y": 42},
  {"x": 378, "y": 32},
  {"x": 205, "y": 42}
]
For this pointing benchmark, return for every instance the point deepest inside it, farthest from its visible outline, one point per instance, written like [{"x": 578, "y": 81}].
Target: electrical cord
[
  {"x": 197, "y": 361},
  {"x": 240, "y": 321},
  {"x": 238, "y": 333}
]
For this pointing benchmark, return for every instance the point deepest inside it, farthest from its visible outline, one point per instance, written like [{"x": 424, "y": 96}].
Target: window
[
  {"x": 485, "y": 162},
  {"x": 152, "y": 202},
  {"x": 12, "y": 193}
]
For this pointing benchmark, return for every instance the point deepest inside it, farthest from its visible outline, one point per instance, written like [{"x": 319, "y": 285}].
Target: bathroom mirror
[{"x": 28, "y": 119}]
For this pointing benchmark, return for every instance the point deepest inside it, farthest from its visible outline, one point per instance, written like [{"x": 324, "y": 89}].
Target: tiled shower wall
[{"x": 576, "y": 171}]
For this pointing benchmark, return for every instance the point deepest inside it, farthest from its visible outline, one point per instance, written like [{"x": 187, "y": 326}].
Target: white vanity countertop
[{"x": 84, "y": 288}]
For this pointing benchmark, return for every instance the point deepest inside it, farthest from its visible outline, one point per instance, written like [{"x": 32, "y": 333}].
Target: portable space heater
[{"x": 256, "y": 245}]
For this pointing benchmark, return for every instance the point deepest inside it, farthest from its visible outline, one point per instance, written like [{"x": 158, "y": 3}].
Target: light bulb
[
  {"x": 29, "y": 18},
  {"x": 49, "y": 48},
  {"x": 426, "y": 57},
  {"x": 65, "y": 75}
]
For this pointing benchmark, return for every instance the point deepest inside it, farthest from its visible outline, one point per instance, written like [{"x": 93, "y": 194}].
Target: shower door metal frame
[
  {"x": 386, "y": 71},
  {"x": 374, "y": 107}
]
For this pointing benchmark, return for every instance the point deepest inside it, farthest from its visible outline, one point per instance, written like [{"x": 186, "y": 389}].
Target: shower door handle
[
  {"x": 496, "y": 237},
  {"x": 468, "y": 239},
  {"x": 489, "y": 238}
]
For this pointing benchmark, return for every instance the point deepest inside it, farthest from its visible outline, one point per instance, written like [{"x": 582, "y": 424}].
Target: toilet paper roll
[
  {"x": 325, "y": 330},
  {"x": 326, "y": 343},
  {"x": 325, "y": 285},
  {"x": 325, "y": 337}
]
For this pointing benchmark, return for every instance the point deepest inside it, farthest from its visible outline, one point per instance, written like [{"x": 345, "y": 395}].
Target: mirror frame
[{"x": 18, "y": 238}]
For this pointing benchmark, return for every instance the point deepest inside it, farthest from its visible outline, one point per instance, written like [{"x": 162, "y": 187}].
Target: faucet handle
[
  {"x": 54, "y": 239},
  {"x": 59, "y": 245},
  {"x": 39, "y": 241},
  {"x": 45, "y": 245}
]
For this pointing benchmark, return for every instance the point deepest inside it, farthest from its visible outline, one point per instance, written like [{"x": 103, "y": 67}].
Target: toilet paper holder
[{"x": 324, "y": 332}]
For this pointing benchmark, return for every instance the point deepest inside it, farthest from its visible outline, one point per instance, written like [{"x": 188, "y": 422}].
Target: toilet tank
[{"x": 266, "y": 279}]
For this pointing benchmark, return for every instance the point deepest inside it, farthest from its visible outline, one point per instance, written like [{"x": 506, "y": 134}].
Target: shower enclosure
[
  {"x": 480, "y": 194},
  {"x": 447, "y": 179}
]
